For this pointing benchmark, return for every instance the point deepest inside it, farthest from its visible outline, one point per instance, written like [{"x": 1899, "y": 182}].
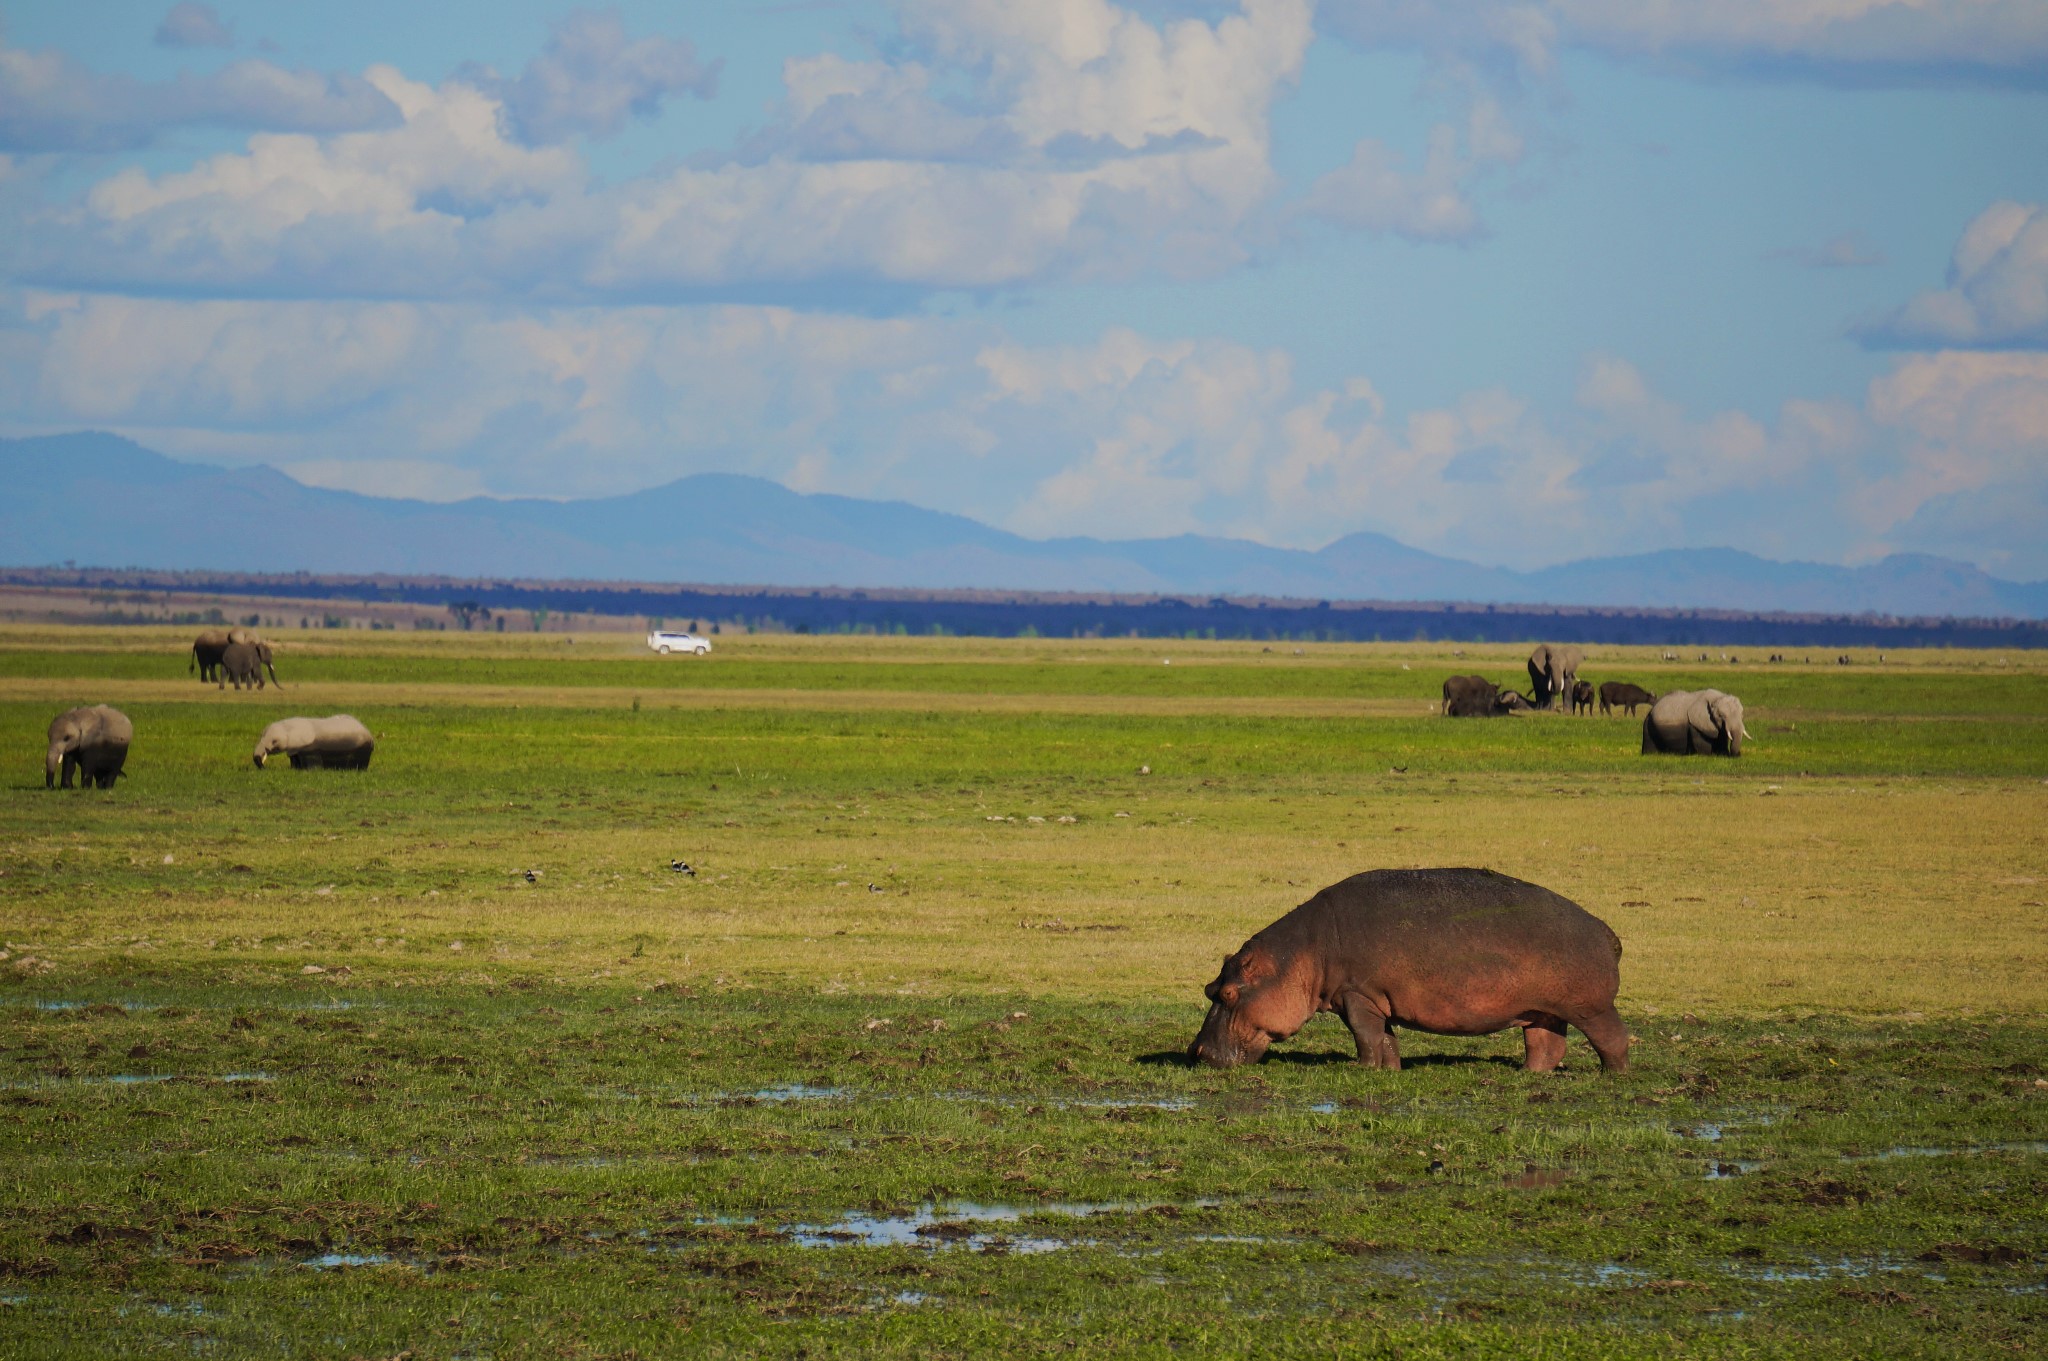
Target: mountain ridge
[{"x": 94, "y": 496}]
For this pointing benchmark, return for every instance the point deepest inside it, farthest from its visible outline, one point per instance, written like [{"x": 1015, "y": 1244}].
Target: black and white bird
[
  {"x": 682, "y": 867},
  {"x": 533, "y": 876}
]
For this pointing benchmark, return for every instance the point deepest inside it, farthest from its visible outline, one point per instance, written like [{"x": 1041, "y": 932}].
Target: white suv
[{"x": 665, "y": 643}]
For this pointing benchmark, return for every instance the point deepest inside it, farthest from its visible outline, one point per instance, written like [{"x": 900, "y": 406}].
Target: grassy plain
[{"x": 306, "y": 1064}]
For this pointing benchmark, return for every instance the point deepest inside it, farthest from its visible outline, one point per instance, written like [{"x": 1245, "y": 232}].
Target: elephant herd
[
  {"x": 1680, "y": 723},
  {"x": 90, "y": 744},
  {"x": 236, "y": 655}
]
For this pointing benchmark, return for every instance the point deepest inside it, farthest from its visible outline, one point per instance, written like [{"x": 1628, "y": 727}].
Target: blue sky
[{"x": 1514, "y": 280}]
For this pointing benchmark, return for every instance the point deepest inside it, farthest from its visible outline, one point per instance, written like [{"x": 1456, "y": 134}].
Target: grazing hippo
[
  {"x": 1449, "y": 951},
  {"x": 337, "y": 743}
]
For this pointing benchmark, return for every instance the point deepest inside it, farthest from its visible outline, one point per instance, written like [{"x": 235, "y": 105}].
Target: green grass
[
  {"x": 553, "y": 1109},
  {"x": 532, "y": 1166}
]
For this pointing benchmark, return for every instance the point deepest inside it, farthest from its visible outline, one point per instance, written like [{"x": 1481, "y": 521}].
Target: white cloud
[
  {"x": 1997, "y": 42},
  {"x": 591, "y": 79},
  {"x": 1997, "y": 294},
  {"x": 1127, "y": 436},
  {"x": 48, "y": 102},
  {"x": 191, "y": 24},
  {"x": 1114, "y": 147}
]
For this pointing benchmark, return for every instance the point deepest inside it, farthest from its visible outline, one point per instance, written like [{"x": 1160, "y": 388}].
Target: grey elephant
[
  {"x": 206, "y": 653},
  {"x": 91, "y": 743},
  {"x": 1553, "y": 669},
  {"x": 1478, "y": 697},
  {"x": 338, "y": 742},
  {"x": 1694, "y": 723},
  {"x": 245, "y": 663},
  {"x": 209, "y": 647}
]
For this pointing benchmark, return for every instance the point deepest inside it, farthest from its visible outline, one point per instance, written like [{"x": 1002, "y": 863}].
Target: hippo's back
[{"x": 1455, "y": 935}]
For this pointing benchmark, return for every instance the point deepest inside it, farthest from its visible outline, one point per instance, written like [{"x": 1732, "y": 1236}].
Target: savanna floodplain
[{"x": 449, "y": 1058}]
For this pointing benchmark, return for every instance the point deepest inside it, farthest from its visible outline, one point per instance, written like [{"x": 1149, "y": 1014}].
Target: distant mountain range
[{"x": 103, "y": 500}]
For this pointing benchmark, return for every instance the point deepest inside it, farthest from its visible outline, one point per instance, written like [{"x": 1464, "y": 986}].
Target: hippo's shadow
[
  {"x": 1451, "y": 1060},
  {"x": 1320, "y": 1058}
]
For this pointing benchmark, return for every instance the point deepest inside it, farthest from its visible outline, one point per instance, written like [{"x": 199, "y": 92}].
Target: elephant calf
[
  {"x": 245, "y": 663},
  {"x": 1694, "y": 723},
  {"x": 92, "y": 743},
  {"x": 336, "y": 743}
]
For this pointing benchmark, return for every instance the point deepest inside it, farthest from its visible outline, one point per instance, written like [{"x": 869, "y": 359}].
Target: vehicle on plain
[{"x": 665, "y": 643}]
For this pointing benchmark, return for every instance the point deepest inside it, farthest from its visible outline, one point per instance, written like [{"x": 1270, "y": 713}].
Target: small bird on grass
[
  {"x": 533, "y": 876},
  {"x": 682, "y": 867}
]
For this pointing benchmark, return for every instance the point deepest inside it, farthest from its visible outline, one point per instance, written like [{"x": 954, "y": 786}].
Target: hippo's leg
[
  {"x": 1376, "y": 1047},
  {"x": 1543, "y": 1043},
  {"x": 1609, "y": 1035}
]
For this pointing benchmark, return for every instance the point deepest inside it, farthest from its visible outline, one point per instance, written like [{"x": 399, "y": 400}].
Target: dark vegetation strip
[{"x": 1028, "y": 614}]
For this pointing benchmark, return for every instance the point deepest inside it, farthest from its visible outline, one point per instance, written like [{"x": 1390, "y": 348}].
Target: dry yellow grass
[{"x": 1887, "y": 894}]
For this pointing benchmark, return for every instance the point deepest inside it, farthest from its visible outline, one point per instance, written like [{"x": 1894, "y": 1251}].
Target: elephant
[
  {"x": 245, "y": 663},
  {"x": 1478, "y": 697},
  {"x": 1694, "y": 723},
  {"x": 1582, "y": 697},
  {"x": 206, "y": 652},
  {"x": 335, "y": 743},
  {"x": 93, "y": 743},
  {"x": 208, "y": 647},
  {"x": 1553, "y": 668}
]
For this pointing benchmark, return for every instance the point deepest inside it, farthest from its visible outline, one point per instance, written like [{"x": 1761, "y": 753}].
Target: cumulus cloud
[
  {"x": 1997, "y": 294},
  {"x": 50, "y": 103},
  {"x": 1893, "y": 42},
  {"x": 191, "y": 24},
  {"x": 1104, "y": 146},
  {"x": 591, "y": 79},
  {"x": 1378, "y": 192}
]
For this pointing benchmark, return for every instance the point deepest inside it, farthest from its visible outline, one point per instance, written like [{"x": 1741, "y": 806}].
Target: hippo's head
[{"x": 1254, "y": 1001}]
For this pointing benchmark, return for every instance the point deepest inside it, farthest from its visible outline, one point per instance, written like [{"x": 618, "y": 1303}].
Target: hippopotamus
[{"x": 1449, "y": 951}]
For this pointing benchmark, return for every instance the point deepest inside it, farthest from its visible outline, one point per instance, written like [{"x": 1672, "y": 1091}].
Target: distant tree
[{"x": 467, "y": 612}]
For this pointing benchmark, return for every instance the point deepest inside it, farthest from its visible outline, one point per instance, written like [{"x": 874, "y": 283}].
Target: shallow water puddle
[
  {"x": 132, "y": 1080},
  {"x": 798, "y": 1091},
  {"x": 1721, "y": 1171},
  {"x": 332, "y": 1260},
  {"x": 2022, "y": 1146},
  {"x": 953, "y": 1224}
]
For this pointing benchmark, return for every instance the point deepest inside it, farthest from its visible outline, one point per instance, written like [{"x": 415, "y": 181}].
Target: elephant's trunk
[{"x": 51, "y": 764}]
